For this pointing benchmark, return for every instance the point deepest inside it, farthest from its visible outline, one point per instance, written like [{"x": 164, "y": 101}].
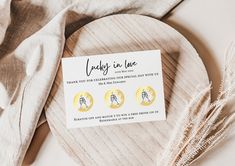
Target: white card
[{"x": 113, "y": 88}]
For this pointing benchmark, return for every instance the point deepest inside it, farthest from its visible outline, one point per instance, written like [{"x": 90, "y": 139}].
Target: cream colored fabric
[{"x": 31, "y": 45}]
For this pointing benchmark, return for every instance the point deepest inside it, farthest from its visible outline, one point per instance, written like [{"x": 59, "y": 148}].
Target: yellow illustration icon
[
  {"x": 114, "y": 98},
  {"x": 83, "y": 101},
  {"x": 145, "y": 95}
]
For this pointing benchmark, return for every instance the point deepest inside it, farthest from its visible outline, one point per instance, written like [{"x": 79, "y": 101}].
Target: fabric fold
[{"x": 5, "y": 17}]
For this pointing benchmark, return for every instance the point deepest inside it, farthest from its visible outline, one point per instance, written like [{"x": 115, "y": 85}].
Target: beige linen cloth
[{"x": 32, "y": 37}]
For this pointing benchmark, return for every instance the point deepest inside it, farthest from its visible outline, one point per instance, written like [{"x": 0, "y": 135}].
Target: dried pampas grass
[{"x": 203, "y": 124}]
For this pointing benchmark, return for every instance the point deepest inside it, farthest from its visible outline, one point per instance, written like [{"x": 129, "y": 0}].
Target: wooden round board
[{"x": 137, "y": 143}]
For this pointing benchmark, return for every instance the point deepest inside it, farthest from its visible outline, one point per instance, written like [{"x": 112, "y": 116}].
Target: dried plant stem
[{"x": 204, "y": 125}]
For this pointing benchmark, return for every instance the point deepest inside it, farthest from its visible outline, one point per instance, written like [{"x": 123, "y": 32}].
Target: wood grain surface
[{"x": 138, "y": 143}]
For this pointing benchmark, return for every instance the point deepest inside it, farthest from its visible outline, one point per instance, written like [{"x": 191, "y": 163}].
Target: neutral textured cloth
[{"x": 32, "y": 37}]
